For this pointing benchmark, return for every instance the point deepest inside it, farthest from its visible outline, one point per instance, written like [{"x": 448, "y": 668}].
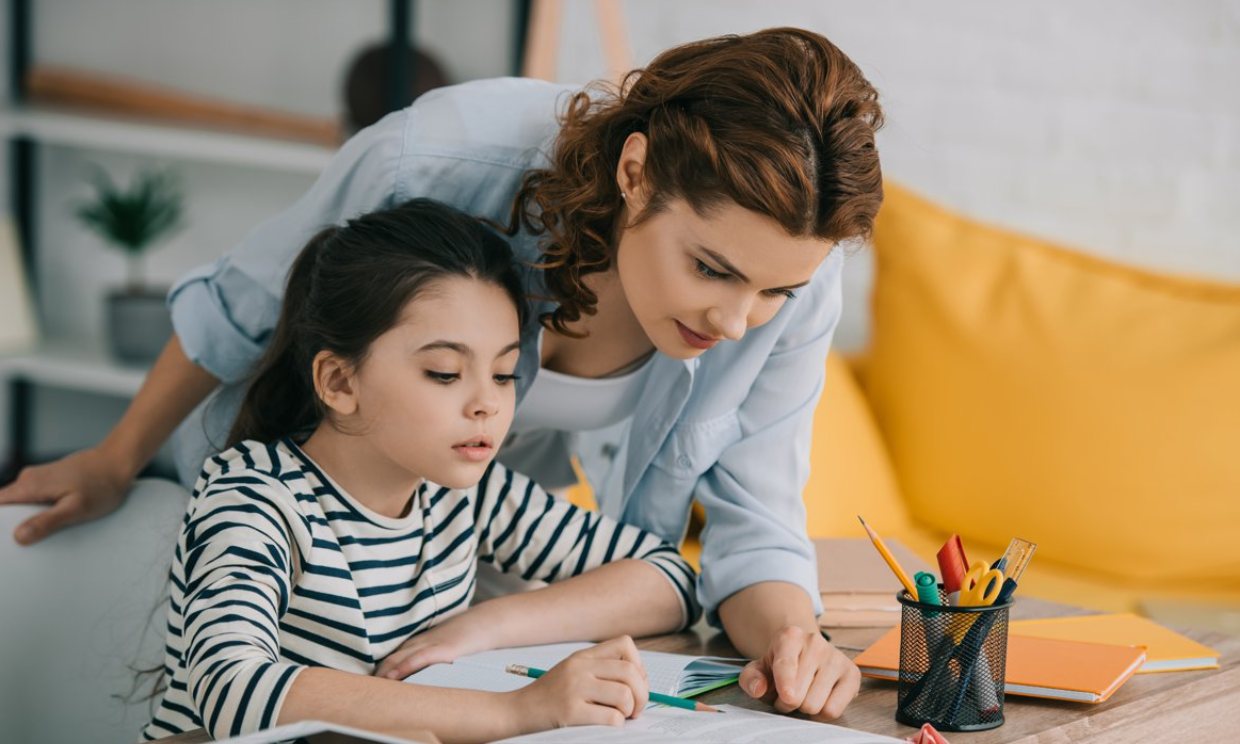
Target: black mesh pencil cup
[{"x": 952, "y": 664}]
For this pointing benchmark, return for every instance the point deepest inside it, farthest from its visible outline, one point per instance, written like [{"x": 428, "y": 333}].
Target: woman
[{"x": 682, "y": 235}]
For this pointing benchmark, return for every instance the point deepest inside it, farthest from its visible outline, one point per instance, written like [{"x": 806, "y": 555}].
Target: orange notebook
[
  {"x": 1165, "y": 649},
  {"x": 1036, "y": 667}
]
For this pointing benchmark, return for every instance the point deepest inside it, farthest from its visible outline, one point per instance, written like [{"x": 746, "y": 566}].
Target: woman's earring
[{"x": 624, "y": 196}]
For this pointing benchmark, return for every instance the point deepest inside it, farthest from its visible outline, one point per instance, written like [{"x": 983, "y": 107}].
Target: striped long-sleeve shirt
[{"x": 277, "y": 568}]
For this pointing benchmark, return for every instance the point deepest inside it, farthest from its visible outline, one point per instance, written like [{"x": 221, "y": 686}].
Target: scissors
[{"x": 981, "y": 585}]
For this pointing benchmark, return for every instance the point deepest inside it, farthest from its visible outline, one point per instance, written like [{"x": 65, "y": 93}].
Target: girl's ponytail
[{"x": 280, "y": 399}]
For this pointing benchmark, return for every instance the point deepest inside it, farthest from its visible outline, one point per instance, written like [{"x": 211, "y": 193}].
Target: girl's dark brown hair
[
  {"x": 780, "y": 122},
  {"x": 347, "y": 287}
]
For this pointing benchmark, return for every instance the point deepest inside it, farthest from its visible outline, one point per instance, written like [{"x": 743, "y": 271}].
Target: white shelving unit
[
  {"x": 74, "y": 367},
  {"x": 75, "y": 129},
  {"x": 88, "y": 368}
]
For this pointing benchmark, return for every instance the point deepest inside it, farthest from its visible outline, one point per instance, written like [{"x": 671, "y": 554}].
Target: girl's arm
[
  {"x": 629, "y": 597},
  {"x": 89, "y": 484},
  {"x": 232, "y": 582},
  {"x": 609, "y": 579},
  {"x": 601, "y": 685}
]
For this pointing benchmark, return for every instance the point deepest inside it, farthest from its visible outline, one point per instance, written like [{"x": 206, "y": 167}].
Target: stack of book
[{"x": 858, "y": 590}]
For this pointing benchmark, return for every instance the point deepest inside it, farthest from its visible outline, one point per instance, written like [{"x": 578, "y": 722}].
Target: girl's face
[
  {"x": 435, "y": 394},
  {"x": 694, "y": 280}
]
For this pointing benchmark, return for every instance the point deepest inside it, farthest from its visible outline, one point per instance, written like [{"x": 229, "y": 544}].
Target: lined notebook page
[
  {"x": 734, "y": 726},
  {"x": 485, "y": 671}
]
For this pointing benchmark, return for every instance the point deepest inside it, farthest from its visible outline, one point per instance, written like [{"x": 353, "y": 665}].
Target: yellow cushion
[
  {"x": 850, "y": 473},
  {"x": 1026, "y": 390}
]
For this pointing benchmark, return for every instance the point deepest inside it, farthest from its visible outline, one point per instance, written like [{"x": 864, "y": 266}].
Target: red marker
[{"x": 953, "y": 566}]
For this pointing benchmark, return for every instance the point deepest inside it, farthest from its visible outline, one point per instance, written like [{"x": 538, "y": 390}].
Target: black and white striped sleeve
[
  {"x": 236, "y": 548},
  {"x": 522, "y": 529}
]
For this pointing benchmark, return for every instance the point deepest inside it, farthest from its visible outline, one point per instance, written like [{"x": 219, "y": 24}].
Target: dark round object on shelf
[{"x": 367, "y": 81}]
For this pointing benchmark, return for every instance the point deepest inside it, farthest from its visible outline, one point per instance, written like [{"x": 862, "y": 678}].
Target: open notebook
[
  {"x": 321, "y": 731},
  {"x": 736, "y": 726},
  {"x": 670, "y": 674}
]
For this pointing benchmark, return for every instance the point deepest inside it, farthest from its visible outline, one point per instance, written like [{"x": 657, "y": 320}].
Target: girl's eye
[
  {"x": 707, "y": 272},
  {"x": 505, "y": 379},
  {"x": 442, "y": 377},
  {"x": 788, "y": 293}
]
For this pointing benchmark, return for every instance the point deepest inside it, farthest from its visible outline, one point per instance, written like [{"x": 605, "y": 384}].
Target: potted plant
[{"x": 133, "y": 219}]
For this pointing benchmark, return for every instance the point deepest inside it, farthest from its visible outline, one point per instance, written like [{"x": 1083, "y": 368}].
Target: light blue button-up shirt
[{"x": 729, "y": 429}]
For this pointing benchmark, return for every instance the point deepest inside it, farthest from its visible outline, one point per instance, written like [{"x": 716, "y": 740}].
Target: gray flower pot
[{"x": 138, "y": 325}]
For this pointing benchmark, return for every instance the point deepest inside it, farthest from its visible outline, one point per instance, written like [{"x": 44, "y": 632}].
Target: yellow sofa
[{"x": 1014, "y": 388}]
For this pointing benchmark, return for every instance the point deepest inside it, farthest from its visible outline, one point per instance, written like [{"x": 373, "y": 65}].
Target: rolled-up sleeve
[
  {"x": 755, "y": 516},
  {"x": 224, "y": 312}
]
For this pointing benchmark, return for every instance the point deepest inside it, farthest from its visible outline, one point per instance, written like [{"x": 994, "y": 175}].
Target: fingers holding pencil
[{"x": 601, "y": 685}]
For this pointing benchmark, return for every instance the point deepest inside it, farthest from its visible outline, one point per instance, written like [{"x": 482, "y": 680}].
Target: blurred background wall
[{"x": 1113, "y": 126}]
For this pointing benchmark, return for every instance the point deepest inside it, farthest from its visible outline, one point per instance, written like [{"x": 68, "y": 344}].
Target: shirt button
[{"x": 683, "y": 461}]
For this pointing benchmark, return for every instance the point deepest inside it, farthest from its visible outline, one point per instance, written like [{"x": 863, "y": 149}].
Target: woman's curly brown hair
[{"x": 780, "y": 122}]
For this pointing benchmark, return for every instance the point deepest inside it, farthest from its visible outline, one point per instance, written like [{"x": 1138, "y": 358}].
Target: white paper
[
  {"x": 291, "y": 731},
  {"x": 733, "y": 726},
  {"x": 668, "y": 673}
]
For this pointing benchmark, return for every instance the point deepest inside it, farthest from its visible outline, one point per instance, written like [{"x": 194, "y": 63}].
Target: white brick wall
[{"x": 1110, "y": 125}]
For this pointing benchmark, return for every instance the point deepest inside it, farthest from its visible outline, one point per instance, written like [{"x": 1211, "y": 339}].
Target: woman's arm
[
  {"x": 91, "y": 483},
  {"x": 795, "y": 668},
  {"x": 759, "y": 573}
]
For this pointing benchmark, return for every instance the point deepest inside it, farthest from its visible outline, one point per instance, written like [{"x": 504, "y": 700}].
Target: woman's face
[
  {"x": 435, "y": 393},
  {"x": 693, "y": 280}
]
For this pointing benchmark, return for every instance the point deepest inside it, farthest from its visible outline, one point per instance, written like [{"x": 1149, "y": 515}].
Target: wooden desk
[
  {"x": 1174, "y": 707},
  {"x": 1201, "y": 706}
]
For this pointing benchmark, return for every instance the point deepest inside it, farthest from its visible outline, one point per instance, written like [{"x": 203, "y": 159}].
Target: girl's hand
[
  {"x": 464, "y": 634},
  {"x": 600, "y": 685},
  {"x": 801, "y": 671}
]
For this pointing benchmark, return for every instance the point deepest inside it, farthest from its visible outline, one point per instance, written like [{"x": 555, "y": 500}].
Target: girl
[
  {"x": 686, "y": 230},
  {"x": 358, "y": 493}
]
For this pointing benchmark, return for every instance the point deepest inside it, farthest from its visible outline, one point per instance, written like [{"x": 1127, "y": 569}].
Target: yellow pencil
[{"x": 891, "y": 559}]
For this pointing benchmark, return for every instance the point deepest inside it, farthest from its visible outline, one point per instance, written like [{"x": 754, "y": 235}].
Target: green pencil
[{"x": 655, "y": 697}]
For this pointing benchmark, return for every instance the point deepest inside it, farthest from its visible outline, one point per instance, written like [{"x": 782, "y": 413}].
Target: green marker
[{"x": 927, "y": 590}]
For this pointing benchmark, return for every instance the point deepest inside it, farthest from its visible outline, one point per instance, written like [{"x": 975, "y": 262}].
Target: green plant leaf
[{"x": 135, "y": 217}]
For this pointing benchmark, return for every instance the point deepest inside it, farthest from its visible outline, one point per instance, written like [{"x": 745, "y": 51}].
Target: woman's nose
[{"x": 730, "y": 322}]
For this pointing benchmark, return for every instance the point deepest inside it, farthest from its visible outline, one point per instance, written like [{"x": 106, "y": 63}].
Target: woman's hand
[
  {"x": 80, "y": 487},
  {"x": 803, "y": 672},
  {"x": 467, "y": 633},
  {"x": 600, "y": 685}
]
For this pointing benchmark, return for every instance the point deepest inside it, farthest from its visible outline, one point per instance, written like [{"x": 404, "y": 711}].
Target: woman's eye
[
  {"x": 708, "y": 272},
  {"x": 444, "y": 377},
  {"x": 788, "y": 293},
  {"x": 505, "y": 379}
]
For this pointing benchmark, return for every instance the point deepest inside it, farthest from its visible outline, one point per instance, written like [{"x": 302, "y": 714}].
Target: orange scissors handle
[{"x": 981, "y": 585}]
